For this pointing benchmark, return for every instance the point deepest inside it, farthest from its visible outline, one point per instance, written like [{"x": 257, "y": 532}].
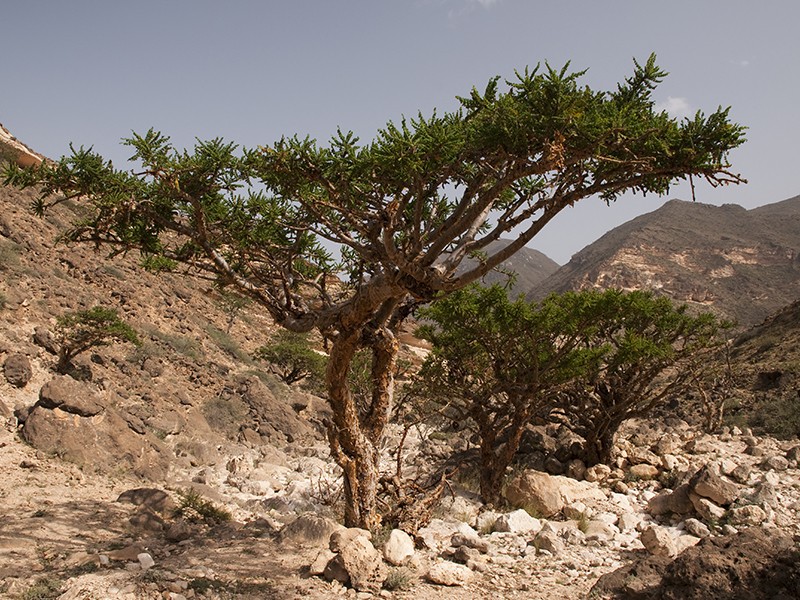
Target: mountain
[
  {"x": 742, "y": 264},
  {"x": 528, "y": 267}
]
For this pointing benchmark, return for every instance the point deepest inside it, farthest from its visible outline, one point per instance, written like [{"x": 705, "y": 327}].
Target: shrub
[
  {"x": 293, "y": 358},
  {"x": 79, "y": 331},
  {"x": 196, "y": 509}
]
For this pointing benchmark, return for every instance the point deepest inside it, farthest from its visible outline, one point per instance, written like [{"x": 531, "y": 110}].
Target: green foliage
[
  {"x": 45, "y": 588},
  {"x": 495, "y": 365},
  {"x": 232, "y": 304},
  {"x": 405, "y": 209},
  {"x": 293, "y": 358},
  {"x": 399, "y": 578},
  {"x": 651, "y": 350},
  {"x": 587, "y": 359},
  {"x": 80, "y": 331},
  {"x": 196, "y": 509}
]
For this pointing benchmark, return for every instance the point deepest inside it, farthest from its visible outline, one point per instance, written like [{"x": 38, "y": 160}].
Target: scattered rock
[
  {"x": 145, "y": 561},
  {"x": 17, "y": 370},
  {"x": 450, "y": 573},
  {"x": 518, "y": 521},
  {"x": 658, "y": 541},
  {"x": 398, "y": 548}
]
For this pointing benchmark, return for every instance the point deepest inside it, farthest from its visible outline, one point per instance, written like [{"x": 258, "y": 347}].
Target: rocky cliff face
[{"x": 741, "y": 264}]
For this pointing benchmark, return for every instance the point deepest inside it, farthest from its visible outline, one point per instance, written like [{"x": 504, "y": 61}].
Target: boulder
[
  {"x": 598, "y": 472},
  {"x": 747, "y": 515},
  {"x": 549, "y": 541},
  {"x": 696, "y": 528},
  {"x": 461, "y": 540},
  {"x": 398, "y": 548},
  {"x": 320, "y": 563},
  {"x": 310, "y": 529},
  {"x": 360, "y": 562},
  {"x": 278, "y": 422},
  {"x": 449, "y": 573},
  {"x": 547, "y": 495},
  {"x": 343, "y": 536},
  {"x": 658, "y": 541},
  {"x": 643, "y": 471},
  {"x": 775, "y": 463},
  {"x": 676, "y": 501},
  {"x": 438, "y": 533},
  {"x": 150, "y": 498},
  {"x": 518, "y": 521},
  {"x": 709, "y": 484},
  {"x": 17, "y": 370},
  {"x": 707, "y": 510},
  {"x": 72, "y": 422}
]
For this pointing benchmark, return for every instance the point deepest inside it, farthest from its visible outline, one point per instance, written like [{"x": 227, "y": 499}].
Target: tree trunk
[
  {"x": 355, "y": 436},
  {"x": 495, "y": 458},
  {"x": 600, "y": 442}
]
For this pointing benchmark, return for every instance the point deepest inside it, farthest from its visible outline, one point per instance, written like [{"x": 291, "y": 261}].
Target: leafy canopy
[
  {"x": 82, "y": 330},
  {"x": 405, "y": 208}
]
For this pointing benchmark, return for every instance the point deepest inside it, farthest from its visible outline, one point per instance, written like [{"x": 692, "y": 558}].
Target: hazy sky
[{"x": 90, "y": 72}]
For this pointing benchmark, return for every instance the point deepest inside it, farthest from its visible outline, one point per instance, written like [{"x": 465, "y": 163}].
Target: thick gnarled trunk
[{"x": 354, "y": 434}]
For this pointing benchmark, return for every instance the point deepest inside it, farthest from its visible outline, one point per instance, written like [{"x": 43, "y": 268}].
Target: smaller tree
[
  {"x": 293, "y": 358},
  {"x": 82, "y": 330},
  {"x": 651, "y": 350},
  {"x": 496, "y": 363}
]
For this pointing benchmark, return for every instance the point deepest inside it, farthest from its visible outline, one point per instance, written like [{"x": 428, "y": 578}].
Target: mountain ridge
[{"x": 743, "y": 264}]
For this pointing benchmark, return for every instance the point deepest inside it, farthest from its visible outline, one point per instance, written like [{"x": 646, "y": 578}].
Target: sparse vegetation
[
  {"x": 182, "y": 344},
  {"x": 226, "y": 343},
  {"x": 293, "y": 358},
  {"x": 196, "y": 509},
  {"x": 405, "y": 210},
  {"x": 10, "y": 253},
  {"x": 225, "y": 414},
  {"x": 45, "y": 588},
  {"x": 82, "y": 330},
  {"x": 399, "y": 578}
]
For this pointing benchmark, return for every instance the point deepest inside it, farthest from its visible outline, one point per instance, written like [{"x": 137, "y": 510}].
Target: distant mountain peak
[{"x": 743, "y": 264}]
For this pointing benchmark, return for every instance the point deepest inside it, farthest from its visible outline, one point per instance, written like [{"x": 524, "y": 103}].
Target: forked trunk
[{"x": 355, "y": 435}]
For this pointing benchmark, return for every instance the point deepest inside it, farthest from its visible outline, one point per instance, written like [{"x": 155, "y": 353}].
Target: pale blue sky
[{"x": 90, "y": 72}]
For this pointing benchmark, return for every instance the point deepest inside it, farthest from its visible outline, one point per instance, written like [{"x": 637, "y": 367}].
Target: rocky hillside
[
  {"x": 765, "y": 387},
  {"x": 743, "y": 264},
  {"x": 524, "y": 271},
  {"x": 182, "y": 468}
]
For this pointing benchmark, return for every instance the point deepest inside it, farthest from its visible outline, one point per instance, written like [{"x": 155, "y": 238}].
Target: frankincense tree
[{"x": 405, "y": 210}]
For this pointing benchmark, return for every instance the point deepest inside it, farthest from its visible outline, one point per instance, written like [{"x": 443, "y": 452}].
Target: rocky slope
[
  {"x": 524, "y": 271},
  {"x": 743, "y": 264},
  {"x": 116, "y": 485}
]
